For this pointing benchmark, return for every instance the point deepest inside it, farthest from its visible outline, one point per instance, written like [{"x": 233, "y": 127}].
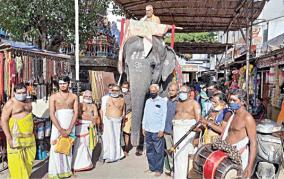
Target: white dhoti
[
  {"x": 60, "y": 164},
  {"x": 111, "y": 139},
  {"x": 242, "y": 145},
  {"x": 82, "y": 156},
  {"x": 180, "y": 127}
]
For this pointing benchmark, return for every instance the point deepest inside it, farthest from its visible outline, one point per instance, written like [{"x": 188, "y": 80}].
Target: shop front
[{"x": 271, "y": 72}]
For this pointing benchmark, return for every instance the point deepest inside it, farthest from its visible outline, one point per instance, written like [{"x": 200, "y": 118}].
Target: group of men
[
  {"x": 167, "y": 120},
  {"x": 74, "y": 124}
]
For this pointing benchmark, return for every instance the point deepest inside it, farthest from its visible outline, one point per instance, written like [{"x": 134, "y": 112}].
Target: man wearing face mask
[
  {"x": 128, "y": 116},
  {"x": 84, "y": 129},
  {"x": 17, "y": 124},
  {"x": 153, "y": 126},
  {"x": 187, "y": 113},
  {"x": 112, "y": 118},
  {"x": 240, "y": 131},
  {"x": 63, "y": 107},
  {"x": 216, "y": 119}
]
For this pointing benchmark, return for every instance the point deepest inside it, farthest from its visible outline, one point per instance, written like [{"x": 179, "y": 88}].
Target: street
[{"x": 132, "y": 167}]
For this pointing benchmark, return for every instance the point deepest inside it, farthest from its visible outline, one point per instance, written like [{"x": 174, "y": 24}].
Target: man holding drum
[{"x": 240, "y": 131}]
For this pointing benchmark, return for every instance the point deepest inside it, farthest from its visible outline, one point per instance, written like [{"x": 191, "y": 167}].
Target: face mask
[
  {"x": 153, "y": 95},
  {"x": 20, "y": 97},
  {"x": 234, "y": 106},
  {"x": 88, "y": 101},
  {"x": 114, "y": 95},
  {"x": 210, "y": 93},
  {"x": 124, "y": 90},
  {"x": 183, "y": 96}
]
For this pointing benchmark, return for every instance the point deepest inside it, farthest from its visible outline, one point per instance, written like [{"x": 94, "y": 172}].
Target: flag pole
[
  {"x": 77, "y": 45},
  {"x": 77, "y": 39}
]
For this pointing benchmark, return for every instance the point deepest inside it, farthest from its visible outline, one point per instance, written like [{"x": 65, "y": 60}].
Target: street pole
[
  {"x": 226, "y": 60},
  {"x": 77, "y": 45},
  {"x": 247, "y": 63}
]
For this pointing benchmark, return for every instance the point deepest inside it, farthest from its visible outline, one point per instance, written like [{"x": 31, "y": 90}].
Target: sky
[{"x": 111, "y": 17}]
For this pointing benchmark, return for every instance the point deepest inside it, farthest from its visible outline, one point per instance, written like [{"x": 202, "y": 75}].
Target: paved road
[{"x": 131, "y": 167}]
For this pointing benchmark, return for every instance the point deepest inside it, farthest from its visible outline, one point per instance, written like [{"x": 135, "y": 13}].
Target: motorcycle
[{"x": 270, "y": 150}]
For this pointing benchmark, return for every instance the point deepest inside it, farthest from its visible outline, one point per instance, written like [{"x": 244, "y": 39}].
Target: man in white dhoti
[
  {"x": 187, "y": 113},
  {"x": 85, "y": 134},
  {"x": 240, "y": 131},
  {"x": 63, "y": 113},
  {"x": 112, "y": 112}
]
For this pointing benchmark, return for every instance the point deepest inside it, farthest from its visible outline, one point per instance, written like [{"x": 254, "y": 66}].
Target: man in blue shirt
[
  {"x": 153, "y": 126},
  {"x": 171, "y": 111}
]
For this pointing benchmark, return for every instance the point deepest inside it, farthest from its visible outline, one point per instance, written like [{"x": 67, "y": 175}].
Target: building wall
[{"x": 274, "y": 9}]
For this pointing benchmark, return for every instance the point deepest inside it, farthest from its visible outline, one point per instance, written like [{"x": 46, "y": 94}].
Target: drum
[{"x": 215, "y": 164}]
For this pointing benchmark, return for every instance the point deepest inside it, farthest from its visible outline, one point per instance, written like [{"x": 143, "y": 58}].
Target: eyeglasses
[
  {"x": 62, "y": 83},
  {"x": 115, "y": 90}
]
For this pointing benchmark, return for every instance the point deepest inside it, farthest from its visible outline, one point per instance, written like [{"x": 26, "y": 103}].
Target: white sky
[{"x": 111, "y": 17}]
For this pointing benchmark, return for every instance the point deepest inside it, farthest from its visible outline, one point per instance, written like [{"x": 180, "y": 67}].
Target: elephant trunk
[{"x": 138, "y": 92}]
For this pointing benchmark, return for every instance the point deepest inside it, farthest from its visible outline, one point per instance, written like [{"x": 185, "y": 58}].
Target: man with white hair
[
  {"x": 188, "y": 112},
  {"x": 153, "y": 126},
  {"x": 150, "y": 15}
]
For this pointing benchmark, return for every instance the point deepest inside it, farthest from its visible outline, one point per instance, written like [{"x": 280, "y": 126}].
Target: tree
[
  {"x": 48, "y": 23},
  {"x": 193, "y": 37}
]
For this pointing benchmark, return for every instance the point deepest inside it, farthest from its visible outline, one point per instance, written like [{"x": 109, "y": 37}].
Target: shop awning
[
  {"x": 271, "y": 59},
  {"x": 200, "y": 48},
  {"x": 30, "y": 50},
  {"x": 198, "y": 15}
]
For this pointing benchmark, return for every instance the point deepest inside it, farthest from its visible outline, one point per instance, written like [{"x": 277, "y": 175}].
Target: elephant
[{"x": 141, "y": 71}]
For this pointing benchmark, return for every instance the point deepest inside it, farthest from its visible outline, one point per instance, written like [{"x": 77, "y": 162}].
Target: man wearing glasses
[
  {"x": 63, "y": 113},
  {"x": 112, "y": 118},
  {"x": 84, "y": 144}
]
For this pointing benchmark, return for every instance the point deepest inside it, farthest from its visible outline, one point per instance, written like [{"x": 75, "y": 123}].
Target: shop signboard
[{"x": 189, "y": 68}]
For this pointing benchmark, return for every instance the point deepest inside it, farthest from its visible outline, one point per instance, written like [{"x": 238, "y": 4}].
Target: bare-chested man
[
  {"x": 85, "y": 131},
  {"x": 17, "y": 124},
  {"x": 63, "y": 108},
  {"x": 187, "y": 113},
  {"x": 150, "y": 15},
  {"x": 114, "y": 106},
  {"x": 240, "y": 131}
]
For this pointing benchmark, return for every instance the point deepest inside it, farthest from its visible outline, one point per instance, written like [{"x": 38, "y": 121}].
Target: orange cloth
[{"x": 281, "y": 114}]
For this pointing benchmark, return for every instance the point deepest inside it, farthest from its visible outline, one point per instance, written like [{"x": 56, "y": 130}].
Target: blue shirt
[
  {"x": 171, "y": 111},
  {"x": 155, "y": 115}
]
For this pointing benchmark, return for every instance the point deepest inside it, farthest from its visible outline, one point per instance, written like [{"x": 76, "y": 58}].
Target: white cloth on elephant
[
  {"x": 180, "y": 128},
  {"x": 242, "y": 145},
  {"x": 60, "y": 164},
  {"x": 145, "y": 29},
  {"x": 111, "y": 139}
]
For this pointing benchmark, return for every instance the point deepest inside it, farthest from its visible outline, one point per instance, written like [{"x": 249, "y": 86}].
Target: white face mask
[
  {"x": 20, "y": 97},
  {"x": 124, "y": 90},
  {"x": 88, "y": 101}
]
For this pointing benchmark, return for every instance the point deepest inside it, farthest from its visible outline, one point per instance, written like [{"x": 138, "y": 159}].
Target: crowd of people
[{"x": 165, "y": 121}]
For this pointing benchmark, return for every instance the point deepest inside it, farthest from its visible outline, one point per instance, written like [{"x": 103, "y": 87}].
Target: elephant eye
[{"x": 152, "y": 64}]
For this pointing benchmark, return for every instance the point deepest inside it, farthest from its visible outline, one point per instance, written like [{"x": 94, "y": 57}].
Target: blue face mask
[
  {"x": 183, "y": 96},
  {"x": 234, "y": 106}
]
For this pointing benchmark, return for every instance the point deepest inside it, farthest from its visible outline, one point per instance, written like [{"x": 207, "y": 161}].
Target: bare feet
[
  {"x": 157, "y": 174},
  {"x": 148, "y": 171},
  {"x": 126, "y": 154}
]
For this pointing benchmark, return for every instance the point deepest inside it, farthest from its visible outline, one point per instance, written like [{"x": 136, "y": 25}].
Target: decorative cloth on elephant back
[{"x": 145, "y": 29}]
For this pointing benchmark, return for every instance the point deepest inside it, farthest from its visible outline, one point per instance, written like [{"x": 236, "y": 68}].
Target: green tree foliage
[
  {"x": 48, "y": 23},
  {"x": 193, "y": 37}
]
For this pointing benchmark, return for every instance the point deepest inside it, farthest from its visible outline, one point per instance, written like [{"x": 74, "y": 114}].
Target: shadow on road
[{"x": 40, "y": 169}]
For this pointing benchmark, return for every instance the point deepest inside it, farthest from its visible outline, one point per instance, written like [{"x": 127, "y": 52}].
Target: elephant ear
[{"x": 169, "y": 63}]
